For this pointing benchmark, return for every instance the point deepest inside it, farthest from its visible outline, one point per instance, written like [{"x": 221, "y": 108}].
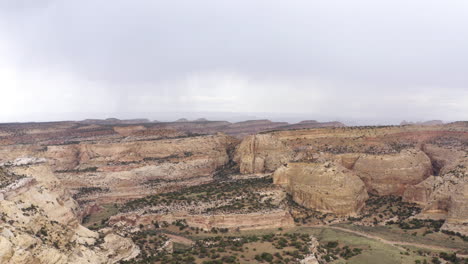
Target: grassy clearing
[
  {"x": 373, "y": 250},
  {"x": 98, "y": 219},
  {"x": 393, "y": 233}
]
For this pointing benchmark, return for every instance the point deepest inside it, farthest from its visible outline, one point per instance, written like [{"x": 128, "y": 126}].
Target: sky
[{"x": 360, "y": 61}]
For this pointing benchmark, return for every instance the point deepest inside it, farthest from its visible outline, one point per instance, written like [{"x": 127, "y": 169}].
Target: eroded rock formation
[
  {"x": 388, "y": 159},
  {"x": 246, "y": 221},
  {"x": 325, "y": 187},
  {"x": 393, "y": 173},
  {"x": 330, "y": 170},
  {"x": 457, "y": 216},
  {"x": 261, "y": 153},
  {"x": 444, "y": 196},
  {"x": 114, "y": 170},
  {"x": 39, "y": 224}
]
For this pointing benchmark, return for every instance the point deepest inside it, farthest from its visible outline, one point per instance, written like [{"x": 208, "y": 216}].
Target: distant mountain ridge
[
  {"x": 205, "y": 126},
  {"x": 423, "y": 123}
]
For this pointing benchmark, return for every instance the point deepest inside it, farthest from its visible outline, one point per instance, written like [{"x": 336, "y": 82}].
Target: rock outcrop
[
  {"x": 39, "y": 224},
  {"x": 457, "y": 216},
  {"x": 393, "y": 173},
  {"x": 247, "y": 221},
  {"x": 325, "y": 187},
  {"x": 442, "y": 157},
  {"x": 314, "y": 250},
  {"x": 444, "y": 196},
  {"x": 421, "y": 192},
  {"x": 261, "y": 153}
]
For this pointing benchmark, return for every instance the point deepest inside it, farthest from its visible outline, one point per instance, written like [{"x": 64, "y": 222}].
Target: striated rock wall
[
  {"x": 261, "y": 153},
  {"x": 248, "y": 221},
  {"x": 393, "y": 173},
  {"x": 420, "y": 163},
  {"x": 421, "y": 192},
  {"x": 115, "y": 170},
  {"x": 442, "y": 157},
  {"x": 387, "y": 159},
  {"x": 82, "y": 156},
  {"x": 326, "y": 187},
  {"x": 297, "y": 145}
]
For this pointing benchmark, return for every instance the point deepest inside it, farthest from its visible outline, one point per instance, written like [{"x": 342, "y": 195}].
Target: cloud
[{"x": 353, "y": 59}]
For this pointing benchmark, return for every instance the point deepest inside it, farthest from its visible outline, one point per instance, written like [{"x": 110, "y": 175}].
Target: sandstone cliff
[
  {"x": 443, "y": 157},
  {"x": 113, "y": 170},
  {"x": 326, "y": 187},
  {"x": 393, "y": 173},
  {"x": 444, "y": 196},
  {"x": 457, "y": 216},
  {"x": 388, "y": 159},
  {"x": 261, "y": 153},
  {"x": 39, "y": 224},
  {"x": 247, "y": 221}
]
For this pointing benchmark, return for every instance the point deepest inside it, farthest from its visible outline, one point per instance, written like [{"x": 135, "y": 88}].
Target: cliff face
[
  {"x": 39, "y": 224},
  {"x": 421, "y": 192},
  {"x": 111, "y": 154},
  {"x": 234, "y": 204},
  {"x": 393, "y": 173},
  {"x": 457, "y": 217},
  {"x": 443, "y": 157},
  {"x": 444, "y": 196},
  {"x": 327, "y": 187},
  {"x": 113, "y": 170},
  {"x": 261, "y": 153}
]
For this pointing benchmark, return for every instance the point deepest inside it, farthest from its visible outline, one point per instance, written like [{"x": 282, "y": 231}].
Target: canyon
[{"x": 212, "y": 175}]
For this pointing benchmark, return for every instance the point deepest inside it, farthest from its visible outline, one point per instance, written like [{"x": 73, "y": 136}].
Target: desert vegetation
[
  {"x": 226, "y": 196},
  {"x": 7, "y": 178}
]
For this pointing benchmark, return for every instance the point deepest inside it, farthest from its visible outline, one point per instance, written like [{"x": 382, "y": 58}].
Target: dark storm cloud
[{"x": 391, "y": 58}]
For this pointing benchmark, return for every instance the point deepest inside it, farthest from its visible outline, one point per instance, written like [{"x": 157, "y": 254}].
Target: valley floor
[
  {"x": 372, "y": 247},
  {"x": 372, "y": 238}
]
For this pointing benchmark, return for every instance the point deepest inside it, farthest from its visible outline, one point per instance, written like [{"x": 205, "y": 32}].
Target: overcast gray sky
[{"x": 382, "y": 61}]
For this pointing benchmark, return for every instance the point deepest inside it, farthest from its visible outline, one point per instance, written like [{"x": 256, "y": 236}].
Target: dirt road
[{"x": 396, "y": 244}]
